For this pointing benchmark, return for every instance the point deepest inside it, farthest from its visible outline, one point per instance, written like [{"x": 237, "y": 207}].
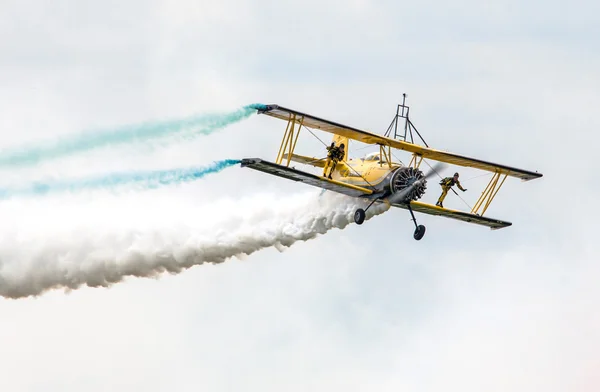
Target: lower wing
[
  {"x": 307, "y": 178},
  {"x": 357, "y": 191},
  {"x": 418, "y": 206}
]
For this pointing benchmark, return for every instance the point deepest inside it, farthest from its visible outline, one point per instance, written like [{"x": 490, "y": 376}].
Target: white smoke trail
[{"x": 68, "y": 246}]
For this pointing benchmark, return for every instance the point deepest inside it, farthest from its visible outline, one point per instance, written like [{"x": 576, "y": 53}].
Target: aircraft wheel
[
  {"x": 359, "y": 216},
  {"x": 419, "y": 232}
]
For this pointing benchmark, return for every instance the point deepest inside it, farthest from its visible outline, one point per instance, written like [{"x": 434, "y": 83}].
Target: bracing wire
[
  {"x": 456, "y": 193},
  {"x": 481, "y": 175},
  {"x": 354, "y": 170},
  {"x": 399, "y": 160}
]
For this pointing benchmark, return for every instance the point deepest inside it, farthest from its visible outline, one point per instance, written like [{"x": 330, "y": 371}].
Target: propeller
[{"x": 400, "y": 197}]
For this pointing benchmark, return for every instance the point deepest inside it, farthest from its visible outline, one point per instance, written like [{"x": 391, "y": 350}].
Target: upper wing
[
  {"x": 307, "y": 178},
  {"x": 371, "y": 138},
  {"x": 453, "y": 214},
  {"x": 317, "y": 162}
]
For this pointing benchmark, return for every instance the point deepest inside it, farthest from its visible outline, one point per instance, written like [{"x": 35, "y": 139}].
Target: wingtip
[
  {"x": 249, "y": 161},
  {"x": 262, "y": 108}
]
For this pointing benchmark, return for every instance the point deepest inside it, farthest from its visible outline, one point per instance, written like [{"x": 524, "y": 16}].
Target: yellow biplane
[{"x": 376, "y": 177}]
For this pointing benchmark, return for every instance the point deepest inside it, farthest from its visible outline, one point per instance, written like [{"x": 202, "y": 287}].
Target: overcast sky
[{"x": 361, "y": 309}]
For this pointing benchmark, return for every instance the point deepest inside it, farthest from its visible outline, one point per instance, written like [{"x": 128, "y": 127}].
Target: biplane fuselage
[
  {"x": 369, "y": 171},
  {"x": 376, "y": 177},
  {"x": 372, "y": 171}
]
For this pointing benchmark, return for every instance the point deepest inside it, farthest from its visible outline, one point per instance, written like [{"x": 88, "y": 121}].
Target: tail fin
[{"x": 339, "y": 140}]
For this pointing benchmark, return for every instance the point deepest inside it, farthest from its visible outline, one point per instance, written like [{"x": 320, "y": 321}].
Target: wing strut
[{"x": 488, "y": 194}]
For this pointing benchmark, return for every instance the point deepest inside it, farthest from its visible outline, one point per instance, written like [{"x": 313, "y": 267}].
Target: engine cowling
[{"x": 405, "y": 177}]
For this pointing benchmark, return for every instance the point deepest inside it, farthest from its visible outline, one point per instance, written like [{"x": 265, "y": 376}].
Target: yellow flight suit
[
  {"x": 333, "y": 155},
  {"x": 446, "y": 184}
]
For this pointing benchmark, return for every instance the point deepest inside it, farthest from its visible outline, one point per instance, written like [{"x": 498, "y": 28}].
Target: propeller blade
[
  {"x": 439, "y": 166},
  {"x": 399, "y": 196}
]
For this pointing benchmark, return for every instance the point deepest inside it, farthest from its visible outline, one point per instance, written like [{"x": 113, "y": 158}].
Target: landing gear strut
[
  {"x": 419, "y": 229},
  {"x": 360, "y": 214}
]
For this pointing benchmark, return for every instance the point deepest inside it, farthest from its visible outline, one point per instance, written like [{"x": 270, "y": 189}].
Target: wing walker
[{"x": 376, "y": 177}]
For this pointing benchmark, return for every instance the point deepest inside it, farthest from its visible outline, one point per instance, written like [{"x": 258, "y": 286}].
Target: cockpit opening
[{"x": 374, "y": 156}]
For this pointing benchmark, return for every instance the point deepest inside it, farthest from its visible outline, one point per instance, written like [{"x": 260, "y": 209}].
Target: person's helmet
[
  {"x": 455, "y": 174},
  {"x": 342, "y": 145}
]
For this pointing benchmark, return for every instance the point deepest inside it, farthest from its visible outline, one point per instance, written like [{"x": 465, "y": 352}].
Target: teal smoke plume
[
  {"x": 142, "y": 179},
  {"x": 203, "y": 124}
]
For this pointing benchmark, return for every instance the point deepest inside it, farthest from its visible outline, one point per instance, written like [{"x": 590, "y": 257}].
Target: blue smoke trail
[
  {"x": 147, "y": 180},
  {"x": 198, "y": 125}
]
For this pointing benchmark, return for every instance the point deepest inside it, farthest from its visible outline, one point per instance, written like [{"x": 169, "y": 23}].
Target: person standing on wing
[
  {"x": 334, "y": 155},
  {"x": 446, "y": 184}
]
